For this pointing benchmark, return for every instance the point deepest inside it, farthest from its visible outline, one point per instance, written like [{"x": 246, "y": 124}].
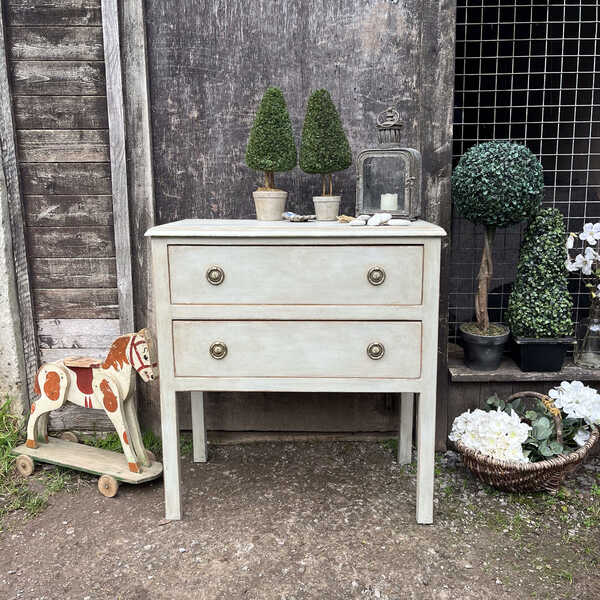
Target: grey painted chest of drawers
[{"x": 321, "y": 307}]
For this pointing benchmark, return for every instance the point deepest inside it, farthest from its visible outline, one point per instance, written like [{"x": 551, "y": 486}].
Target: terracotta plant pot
[
  {"x": 327, "y": 208},
  {"x": 270, "y": 205}
]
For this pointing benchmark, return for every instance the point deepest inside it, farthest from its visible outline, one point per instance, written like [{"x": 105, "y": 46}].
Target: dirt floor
[{"x": 307, "y": 520}]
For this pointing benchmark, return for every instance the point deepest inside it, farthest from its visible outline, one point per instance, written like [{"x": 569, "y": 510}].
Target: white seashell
[
  {"x": 357, "y": 222},
  {"x": 379, "y": 219},
  {"x": 403, "y": 222},
  {"x": 364, "y": 218}
]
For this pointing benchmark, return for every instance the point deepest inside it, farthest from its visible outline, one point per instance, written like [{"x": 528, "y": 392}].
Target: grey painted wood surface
[
  {"x": 17, "y": 227},
  {"x": 65, "y": 273},
  {"x": 140, "y": 177},
  {"x": 70, "y": 242},
  {"x": 66, "y": 178},
  {"x": 56, "y": 78},
  {"x": 84, "y": 303},
  {"x": 118, "y": 162},
  {"x": 65, "y": 211},
  {"x": 53, "y": 12},
  {"x": 60, "y": 112},
  {"x": 55, "y": 43},
  {"x": 206, "y": 85},
  {"x": 51, "y": 145}
]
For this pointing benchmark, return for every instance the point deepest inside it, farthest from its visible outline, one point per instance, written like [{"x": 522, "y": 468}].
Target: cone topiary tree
[
  {"x": 324, "y": 147},
  {"x": 271, "y": 144},
  {"x": 495, "y": 184},
  {"x": 540, "y": 304}
]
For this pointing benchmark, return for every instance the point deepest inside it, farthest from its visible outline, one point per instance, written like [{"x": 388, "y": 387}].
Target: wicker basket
[{"x": 545, "y": 475}]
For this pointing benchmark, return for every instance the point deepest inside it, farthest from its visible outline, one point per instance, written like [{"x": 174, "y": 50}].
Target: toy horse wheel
[
  {"x": 69, "y": 436},
  {"x": 108, "y": 486},
  {"x": 150, "y": 456},
  {"x": 25, "y": 465}
]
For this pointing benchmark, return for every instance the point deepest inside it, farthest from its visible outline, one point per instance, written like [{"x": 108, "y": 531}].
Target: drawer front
[
  {"x": 342, "y": 275},
  {"x": 297, "y": 349}
]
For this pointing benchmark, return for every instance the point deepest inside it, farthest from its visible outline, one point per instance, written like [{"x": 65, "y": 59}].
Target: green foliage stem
[{"x": 540, "y": 304}]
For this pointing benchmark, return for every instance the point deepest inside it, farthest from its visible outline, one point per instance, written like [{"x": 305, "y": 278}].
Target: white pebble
[{"x": 379, "y": 219}]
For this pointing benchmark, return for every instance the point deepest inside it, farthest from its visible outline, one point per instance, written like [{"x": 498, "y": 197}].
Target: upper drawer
[{"x": 297, "y": 275}]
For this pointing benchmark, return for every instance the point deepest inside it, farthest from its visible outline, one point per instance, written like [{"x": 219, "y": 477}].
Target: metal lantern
[{"x": 389, "y": 177}]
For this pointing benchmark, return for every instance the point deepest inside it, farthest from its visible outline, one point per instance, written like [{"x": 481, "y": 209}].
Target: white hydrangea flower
[
  {"x": 582, "y": 436},
  {"x": 577, "y": 401},
  {"x": 583, "y": 262},
  {"x": 590, "y": 233},
  {"x": 570, "y": 241},
  {"x": 494, "y": 433}
]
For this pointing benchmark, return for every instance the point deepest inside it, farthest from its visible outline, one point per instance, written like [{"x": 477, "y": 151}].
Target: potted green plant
[
  {"x": 495, "y": 184},
  {"x": 324, "y": 149},
  {"x": 540, "y": 305},
  {"x": 271, "y": 148}
]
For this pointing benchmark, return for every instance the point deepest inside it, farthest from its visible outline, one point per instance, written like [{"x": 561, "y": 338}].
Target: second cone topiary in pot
[
  {"x": 324, "y": 149},
  {"x": 540, "y": 306}
]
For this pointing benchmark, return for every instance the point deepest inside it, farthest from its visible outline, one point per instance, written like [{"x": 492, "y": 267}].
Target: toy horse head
[{"x": 142, "y": 355}]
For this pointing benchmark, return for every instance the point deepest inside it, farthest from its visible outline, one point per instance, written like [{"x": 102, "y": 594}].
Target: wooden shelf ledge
[{"x": 509, "y": 371}]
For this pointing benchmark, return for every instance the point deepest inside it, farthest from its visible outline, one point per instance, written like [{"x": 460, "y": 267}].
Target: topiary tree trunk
[{"x": 486, "y": 270}]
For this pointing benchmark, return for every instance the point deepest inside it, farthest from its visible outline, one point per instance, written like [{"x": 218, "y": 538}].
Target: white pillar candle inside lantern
[{"x": 389, "y": 201}]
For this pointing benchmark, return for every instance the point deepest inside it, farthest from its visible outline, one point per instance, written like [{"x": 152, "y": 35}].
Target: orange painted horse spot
[
  {"x": 32, "y": 408},
  {"x": 31, "y": 444},
  {"x": 133, "y": 467},
  {"x": 109, "y": 398},
  {"x": 125, "y": 437},
  {"x": 52, "y": 385}
]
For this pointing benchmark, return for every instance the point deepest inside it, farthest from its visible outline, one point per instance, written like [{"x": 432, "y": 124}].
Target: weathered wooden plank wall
[
  {"x": 210, "y": 62},
  {"x": 56, "y": 64}
]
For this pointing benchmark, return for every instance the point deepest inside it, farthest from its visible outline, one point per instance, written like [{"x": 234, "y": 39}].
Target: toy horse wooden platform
[{"x": 102, "y": 385}]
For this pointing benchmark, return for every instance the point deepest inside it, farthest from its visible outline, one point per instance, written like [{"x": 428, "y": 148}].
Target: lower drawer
[{"x": 373, "y": 349}]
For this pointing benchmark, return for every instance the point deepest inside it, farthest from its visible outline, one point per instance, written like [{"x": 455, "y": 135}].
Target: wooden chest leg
[
  {"x": 198, "y": 427},
  {"x": 171, "y": 463},
  {"x": 425, "y": 456},
  {"x": 406, "y": 428}
]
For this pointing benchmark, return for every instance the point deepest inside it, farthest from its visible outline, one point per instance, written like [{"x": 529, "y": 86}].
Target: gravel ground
[{"x": 307, "y": 520}]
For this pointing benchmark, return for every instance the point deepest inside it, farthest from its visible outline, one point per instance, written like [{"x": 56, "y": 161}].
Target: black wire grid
[{"x": 526, "y": 71}]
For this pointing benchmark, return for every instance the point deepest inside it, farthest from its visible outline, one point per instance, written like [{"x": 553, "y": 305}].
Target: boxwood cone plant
[
  {"x": 495, "y": 184},
  {"x": 540, "y": 304},
  {"x": 324, "y": 147},
  {"x": 271, "y": 144}
]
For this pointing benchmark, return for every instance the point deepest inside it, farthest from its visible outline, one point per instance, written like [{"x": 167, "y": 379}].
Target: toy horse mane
[{"x": 117, "y": 355}]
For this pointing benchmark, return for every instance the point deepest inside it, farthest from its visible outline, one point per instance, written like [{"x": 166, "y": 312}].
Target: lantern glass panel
[{"x": 384, "y": 183}]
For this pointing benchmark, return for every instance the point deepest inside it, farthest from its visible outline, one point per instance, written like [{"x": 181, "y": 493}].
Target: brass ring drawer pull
[
  {"x": 376, "y": 275},
  {"x": 215, "y": 275},
  {"x": 376, "y": 350},
  {"x": 218, "y": 350}
]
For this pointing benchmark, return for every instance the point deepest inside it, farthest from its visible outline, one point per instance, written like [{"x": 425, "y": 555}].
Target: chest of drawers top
[{"x": 313, "y": 230}]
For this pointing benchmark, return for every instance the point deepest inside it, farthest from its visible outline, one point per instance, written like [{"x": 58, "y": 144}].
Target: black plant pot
[
  {"x": 483, "y": 352},
  {"x": 541, "y": 354}
]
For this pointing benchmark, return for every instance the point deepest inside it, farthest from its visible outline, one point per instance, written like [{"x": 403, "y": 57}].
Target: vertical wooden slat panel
[
  {"x": 141, "y": 187},
  {"x": 116, "y": 122},
  {"x": 9, "y": 164}
]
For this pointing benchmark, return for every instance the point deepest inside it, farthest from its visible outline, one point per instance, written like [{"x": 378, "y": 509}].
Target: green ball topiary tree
[
  {"x": 271, "y": 144},
  {"x": 324, "y": 147},
  {"x": 540, "y": 304},
  {"x": 495, "y": 184}
]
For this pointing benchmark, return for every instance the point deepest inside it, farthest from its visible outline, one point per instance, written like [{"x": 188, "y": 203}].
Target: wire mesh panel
[{"x": 526, "y": 72}]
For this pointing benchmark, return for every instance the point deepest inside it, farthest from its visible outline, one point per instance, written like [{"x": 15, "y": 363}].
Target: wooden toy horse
[{"x": 107, "y": 385}]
